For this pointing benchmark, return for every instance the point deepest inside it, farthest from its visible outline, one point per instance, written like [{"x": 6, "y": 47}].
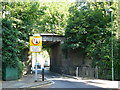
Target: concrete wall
[
  {"x": 66, "y": 61},
  {"x": 74, "y": 59}
]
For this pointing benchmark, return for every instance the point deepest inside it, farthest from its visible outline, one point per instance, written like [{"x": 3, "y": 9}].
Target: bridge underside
[
  {"x": 54, "y": 43},
  {"x": 49, "y": 43},
  {"x": 63, "y": 61}
]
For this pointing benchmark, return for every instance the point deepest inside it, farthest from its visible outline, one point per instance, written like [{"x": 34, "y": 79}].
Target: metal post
[
  {"x": 96, "y": 72},
  {"x": 111, "y": 16},
  {"x": 42, "y": 74},
  {"x": 36, "y": 68},
  {"x": 112, "y": 59}
]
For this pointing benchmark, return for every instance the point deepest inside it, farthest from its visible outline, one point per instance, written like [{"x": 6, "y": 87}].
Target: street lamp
[{"x": 111, "y": 17}]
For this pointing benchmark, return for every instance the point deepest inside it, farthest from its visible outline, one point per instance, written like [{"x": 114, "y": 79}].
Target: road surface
[{"x": 66, "y": 82}]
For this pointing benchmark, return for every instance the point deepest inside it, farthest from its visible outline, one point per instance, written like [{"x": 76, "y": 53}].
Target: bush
[{"x": 20, "y": 69}]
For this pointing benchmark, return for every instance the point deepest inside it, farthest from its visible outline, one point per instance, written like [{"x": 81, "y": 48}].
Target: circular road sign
[{"x": 35, "y": 41}]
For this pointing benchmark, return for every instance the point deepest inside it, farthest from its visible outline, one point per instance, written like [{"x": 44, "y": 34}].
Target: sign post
[
  {"x": 35, "y": 47},
  {"x": 36, "y": 68}
]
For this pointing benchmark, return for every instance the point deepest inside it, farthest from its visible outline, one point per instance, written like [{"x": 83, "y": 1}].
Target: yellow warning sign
[{"x": 35, "y": 43}]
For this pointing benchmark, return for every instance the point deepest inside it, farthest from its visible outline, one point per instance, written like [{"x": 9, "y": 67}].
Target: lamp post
[{"x": 111, "y": 17}]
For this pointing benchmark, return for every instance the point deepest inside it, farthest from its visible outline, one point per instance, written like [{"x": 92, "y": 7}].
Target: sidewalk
[
  {"x": 27, "y": 81},
  {"x": 98, "y": 82}
]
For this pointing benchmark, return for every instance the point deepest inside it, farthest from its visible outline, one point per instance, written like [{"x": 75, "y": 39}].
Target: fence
[{"x": 87, "y": 72}]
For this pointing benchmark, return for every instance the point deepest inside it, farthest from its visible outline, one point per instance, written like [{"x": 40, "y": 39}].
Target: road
[{"x": 66, "y": 82}]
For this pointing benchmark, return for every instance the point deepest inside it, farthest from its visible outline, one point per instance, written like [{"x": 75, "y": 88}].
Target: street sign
[{"x": 35, "y": 43}]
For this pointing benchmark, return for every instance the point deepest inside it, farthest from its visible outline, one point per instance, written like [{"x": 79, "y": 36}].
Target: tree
[
  {"x": 17, "y": 26},
  {"x": 89, "y": 28},
  {"x": 55, "y": 18}
]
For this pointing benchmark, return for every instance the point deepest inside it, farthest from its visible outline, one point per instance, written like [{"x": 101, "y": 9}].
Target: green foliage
[
  {"x": 90, "y": 28},
  {"x": 10, "y": 44},
  {"x": 21, "y": 19},
  {"x": 20, "y": 68},
  {"x": 17, "y": 26},
  {"x": 83, "y": 29},
  {"x": 56, "y": 15}
]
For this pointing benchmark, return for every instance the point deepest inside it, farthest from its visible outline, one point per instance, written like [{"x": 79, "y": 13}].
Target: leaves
[
  {"x": 90, "y": 29},
  {"x": 55, "y": 18},
  {"x": 27, "y": 18},
  {"x": 17, "y": 26}
]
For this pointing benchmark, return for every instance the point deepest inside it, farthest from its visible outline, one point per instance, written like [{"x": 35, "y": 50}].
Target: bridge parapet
[{"x": 52, "y": 37}]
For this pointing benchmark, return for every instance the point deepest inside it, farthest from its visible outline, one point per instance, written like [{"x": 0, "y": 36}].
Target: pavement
[
  {"x": 27, "y": 81},
  {"x": 97, "y": 82}
]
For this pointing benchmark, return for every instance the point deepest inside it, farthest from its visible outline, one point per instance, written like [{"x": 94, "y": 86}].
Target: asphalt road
[{"x": 66, "y": 82}]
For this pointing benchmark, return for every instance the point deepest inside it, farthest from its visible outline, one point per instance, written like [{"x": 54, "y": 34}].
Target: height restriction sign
[{"x": 35, "y": 43}]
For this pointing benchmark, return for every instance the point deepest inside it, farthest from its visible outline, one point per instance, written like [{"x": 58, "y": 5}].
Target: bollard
[
  {"x": 42, "y": 74},
  {"x": 36, "y": 68},
  {"x": 77, "y": 71}
]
